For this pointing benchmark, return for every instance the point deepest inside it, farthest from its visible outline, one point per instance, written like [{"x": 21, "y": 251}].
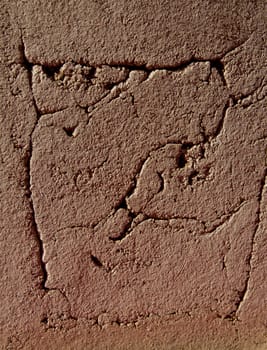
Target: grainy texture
[{"x": 133, "y": 175}]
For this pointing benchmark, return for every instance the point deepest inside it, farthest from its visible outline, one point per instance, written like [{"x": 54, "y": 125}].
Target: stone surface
[{"x": 133, "y": 175}]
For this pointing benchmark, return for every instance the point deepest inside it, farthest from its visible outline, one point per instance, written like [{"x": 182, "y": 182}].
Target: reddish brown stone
[{"x": 133, "y": 175}]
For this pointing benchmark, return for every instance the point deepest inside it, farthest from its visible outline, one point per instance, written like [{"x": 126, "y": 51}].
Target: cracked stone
[{"x": 133, "y": 175}]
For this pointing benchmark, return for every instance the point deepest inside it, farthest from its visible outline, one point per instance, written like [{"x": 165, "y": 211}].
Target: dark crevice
[
  {"x": 44, "y": 320},
  {"x": 40, "y": 246},
  {"x": 53, "y": 67},
  {"x": 123, "y": 233},
  {"x": 241, "y": 98},
  {"x": 226, "y": 217},
  {"x": 131, "y": 66},
  {"x": 56, "y": 321},
  {"x": 122, "y": 204},
  {"x": 230, "y": 317},
  {"x": 191, "y": 177},
  {"x": 91, "y": 74},
  {"x": 69, "y": 130},
  {"x": 221, "y": 122},
  {"x": 187, "y": 145},
  {"x": 148, "y": 69},
  {"x": 109, "y": 85},
  {"x": 181, "y": 161},
  {"x": 242, "y": 294},
  {"x": 219, "y": 66},
  {"x": 161, "y": 188},
  {"x": 233, "y": 99},
  {"x": 35, "y": 226},
  {"x": 223, "y": 263},
  {"x": 202, "y": 151},
  {"x": 24, "y": 61},
  {"x": 28, "y": 66},
  {"x": 51, "y": 70},
  {"x": 96, "y": 261},
  {"x": 234, "y": 47},
  {"x": 132, "y": 215}
]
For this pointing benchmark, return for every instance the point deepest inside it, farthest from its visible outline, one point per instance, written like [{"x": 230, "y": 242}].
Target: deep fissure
[
  {"x": 244, "y": 292},
  {"x": 28, "y": 66}
]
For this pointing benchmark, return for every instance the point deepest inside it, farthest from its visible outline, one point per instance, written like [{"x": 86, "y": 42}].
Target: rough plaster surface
[{"x": 133, "y": 175}]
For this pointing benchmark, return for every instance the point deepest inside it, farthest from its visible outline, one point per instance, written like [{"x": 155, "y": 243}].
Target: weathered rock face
[{"x": 133, "y": 170}]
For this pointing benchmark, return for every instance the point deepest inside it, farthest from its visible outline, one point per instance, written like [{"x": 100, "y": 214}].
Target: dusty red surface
[{"x": 133, "y": 175}]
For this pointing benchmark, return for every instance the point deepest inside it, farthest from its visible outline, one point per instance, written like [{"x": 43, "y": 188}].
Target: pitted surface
[{"x": 133, "y": 176}]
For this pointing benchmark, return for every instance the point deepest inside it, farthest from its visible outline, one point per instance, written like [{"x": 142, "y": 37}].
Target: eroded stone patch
[
  {"x": 168, "y": 150},
  {"x": 189, "y": 268}
]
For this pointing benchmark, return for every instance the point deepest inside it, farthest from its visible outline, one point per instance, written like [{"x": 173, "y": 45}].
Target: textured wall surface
[{"x": 133, "y": 151}]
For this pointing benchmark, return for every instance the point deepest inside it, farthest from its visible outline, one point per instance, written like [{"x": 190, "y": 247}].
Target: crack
[
  {"x": 70, "y": 131},
  {"x": 244, "y": 101},
  {"x": 123, "y": 205},
  {"x": 110, "y": 96},
  {"x": 206, "y": 233},
  {"x": 127, "y": 229},
  {"x": 57, "y": 322},
  {"x": 244, "y": 292},
  {"x": 37, "y": 236},
  {"x": 143, "y": 217},
  {"x": 162, "y": 182},
  {"x": 35, "y": 225},
  {"x": 50, "y": 70},
  {"x": 50, "y": 320},
  {"x": 131, "y": 189},
  {"x": 181, "y": 162},
  {"x": 219, "y": 66},
  {"x": 54, "y": 67},
  {"x": 253, "y": 97},
  {"x": 71, "y": 228},
  {"x": 28, "y": 67},
  {"x": 221, "y": 122},
  {"x": 115, "y": 89},
  {"x": 52, "y": 112},
  {"x": 134, "y": 105},
  {"x": 235, "y": 47},
  {"x": 120, "y": 89},
  {"x": 226, "y": 219},
  {"x": 105, "y": 319},
  {"x": 98, "y": 263}
]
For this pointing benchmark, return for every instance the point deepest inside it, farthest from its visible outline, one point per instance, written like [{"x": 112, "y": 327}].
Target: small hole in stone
[
  {"x": 109, "y": 86},
  {"x": 217, "y": 64},
  {"x": 50, "y": 71},
  {"x": 181, "y": 161},
  {"x": 69, "y": 130},
  {"x": 44, "y": 320},
  {"x": 191, "y": 176},
  {"x": 123, "y": 204},
  {"x": 187, "y": 145},
  {"x": 96, "y": 261},
  {"x": 161, "y": 187}
]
